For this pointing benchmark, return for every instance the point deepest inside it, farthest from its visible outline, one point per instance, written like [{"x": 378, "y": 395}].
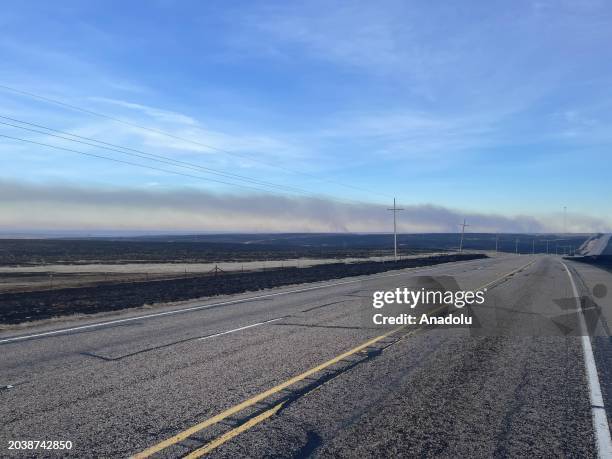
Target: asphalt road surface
[{"x": 297, "y": 372}]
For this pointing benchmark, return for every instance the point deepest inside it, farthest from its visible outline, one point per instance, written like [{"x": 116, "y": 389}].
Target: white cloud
[{"x": 165, "y": 116}]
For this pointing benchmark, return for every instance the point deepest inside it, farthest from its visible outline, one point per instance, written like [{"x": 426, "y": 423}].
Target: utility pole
[
  {"x": 463, "y": 225},
  {"x": 516, "y": 246},
  {"x": 533, "y": 247},
  {"x": 496, "y": 242},
  {"x": 395, "y": 209}
]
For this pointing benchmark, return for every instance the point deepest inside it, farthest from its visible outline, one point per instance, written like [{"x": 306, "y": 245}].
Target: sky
[{"x": 497, "y": 112}]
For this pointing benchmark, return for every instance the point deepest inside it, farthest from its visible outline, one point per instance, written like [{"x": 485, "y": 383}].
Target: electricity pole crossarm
[{"x": 395, "y": 209}]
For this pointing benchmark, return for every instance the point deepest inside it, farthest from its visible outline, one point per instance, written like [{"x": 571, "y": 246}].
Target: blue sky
[{"x": 480, "y": 108}]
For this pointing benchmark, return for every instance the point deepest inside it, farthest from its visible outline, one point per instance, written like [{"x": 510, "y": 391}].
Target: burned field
[
  {"x": 46, "y": 278},
  {"x": 249, "y": 247},
  {"x": 43, "y": 264},
  {"x": 36, "y": 252},
  {"x": 29, "y": 306}
]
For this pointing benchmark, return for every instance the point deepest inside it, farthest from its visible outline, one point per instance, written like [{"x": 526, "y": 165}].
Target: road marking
[
  {"x": 234, "y": 432},
  {"x": 222, "y": 303},
  {"x": 259, "y": 397},
  {"x": 598, "y": 411},
  {"x": 263, "y": 395},
  {"x": 241, "y": 328},
  {"x": 493, "y": 282}
]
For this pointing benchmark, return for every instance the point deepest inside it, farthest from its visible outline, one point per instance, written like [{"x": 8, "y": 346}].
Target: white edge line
[
  {"x": 206, "y": 306},
  {"x": 598, "y": 411},
  {"x": 241, "y": 328}
]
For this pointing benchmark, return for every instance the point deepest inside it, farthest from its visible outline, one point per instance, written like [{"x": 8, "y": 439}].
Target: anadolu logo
[{"x": 426, "y": 300}]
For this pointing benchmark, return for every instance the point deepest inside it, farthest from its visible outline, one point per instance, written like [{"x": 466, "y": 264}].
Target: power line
[
  {"x": 184, "y": 139},
  {"x": 93, "y": 155},
  {"x": 146, "y": 155},
  {"x": 130, "y": 163},
  {"x": 140, "y": 153}
]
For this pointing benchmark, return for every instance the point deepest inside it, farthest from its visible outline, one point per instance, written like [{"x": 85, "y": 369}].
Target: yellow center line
[
  {"x": 207, "y": 448},
  {"x": 234, "y": 432},
  {"x": 256, "y": 399},
  {"x": 274, "y": 390},
  {"x": 505, "y": 275}
]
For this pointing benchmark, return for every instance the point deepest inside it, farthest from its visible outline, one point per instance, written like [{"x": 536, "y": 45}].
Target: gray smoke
[{"x": 61, "y": 207}]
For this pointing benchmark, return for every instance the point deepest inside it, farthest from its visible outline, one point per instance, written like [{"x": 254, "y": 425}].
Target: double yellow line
[
  {"x": 258, "y": 398},
  {"x": 274, "y": 390}
]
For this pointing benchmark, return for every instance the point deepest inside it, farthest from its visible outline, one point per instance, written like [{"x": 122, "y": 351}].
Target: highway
[{"x": 295, "y": 372}]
